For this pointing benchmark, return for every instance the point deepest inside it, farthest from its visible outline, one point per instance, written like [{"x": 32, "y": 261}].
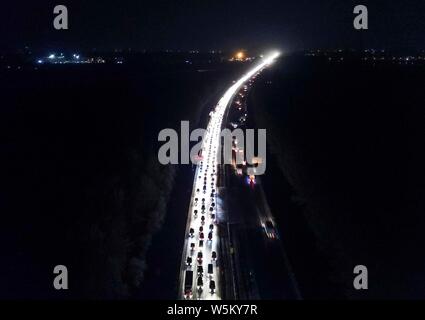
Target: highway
[
  {"x": 205, "y": 208},
  {"x": 256, "y": 243}
]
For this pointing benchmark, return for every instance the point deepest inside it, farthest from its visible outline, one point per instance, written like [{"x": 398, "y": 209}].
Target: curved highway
[{"x": 200, "y": 266}]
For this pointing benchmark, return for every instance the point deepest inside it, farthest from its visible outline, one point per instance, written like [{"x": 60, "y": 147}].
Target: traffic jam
[
  {"x": 201, "y": 258},
  {"x": 201, "y": 274}
]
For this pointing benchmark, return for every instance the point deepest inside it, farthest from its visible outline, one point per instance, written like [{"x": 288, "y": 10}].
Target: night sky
[{"x": 207, "y": 25}]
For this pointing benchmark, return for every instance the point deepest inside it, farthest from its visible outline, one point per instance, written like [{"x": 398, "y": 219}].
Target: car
[
  {"x": 200, "y": 270},
  {"x": 189, "y": 261},
  {"x": 195, "y": 212},
  {"x": 214, "y": 255},
  {"x": 251, "y": 180},
  {"x": 210, "y": 235},
  {"x": 201, "y": 229},
  {"x": 201, "y": 243},
  {"x": 199, "y": 292},
  {"x": 192, "y": 246},
  {"x": 211, "y": 226},
  {"x": 210, "y": 269},
  {"x": 202, "y": 219},
  {"x": 270, "y": 229},
  {"x": 201, "y": 236},
  {"x": 213, "y": 217},
  {"x": 200, "y": 282},
  {"x": 199, "y": 258},
  {"x": 212, "y": 286},
  {"x": 191, "y": 232}
]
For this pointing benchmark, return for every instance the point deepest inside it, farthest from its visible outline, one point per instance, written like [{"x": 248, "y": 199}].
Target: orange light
[{"x": 240, "y": 55}]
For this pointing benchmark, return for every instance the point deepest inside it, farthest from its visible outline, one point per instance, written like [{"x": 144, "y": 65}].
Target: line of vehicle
[{"x": 205, "y": 188}]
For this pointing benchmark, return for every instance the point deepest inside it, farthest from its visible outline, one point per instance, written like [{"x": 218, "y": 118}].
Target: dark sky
[{"x": 205, "y": 25}]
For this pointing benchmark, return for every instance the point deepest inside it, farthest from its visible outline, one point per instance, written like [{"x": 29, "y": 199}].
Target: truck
[{"x": 188, "y": 282}]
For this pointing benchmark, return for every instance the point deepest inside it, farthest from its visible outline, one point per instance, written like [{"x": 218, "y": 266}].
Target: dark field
[
  {"x": 348, "y": 140},
  {"x": 80, "y": 181}
]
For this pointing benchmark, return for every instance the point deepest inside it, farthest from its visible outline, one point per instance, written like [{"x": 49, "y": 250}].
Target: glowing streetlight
[{"x": 240, "y": 55}]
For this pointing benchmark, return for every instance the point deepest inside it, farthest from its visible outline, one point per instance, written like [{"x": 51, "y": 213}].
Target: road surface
[{"x": 205, "y": 208}]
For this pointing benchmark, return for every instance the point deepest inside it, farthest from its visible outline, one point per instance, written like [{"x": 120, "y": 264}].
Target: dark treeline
[
  {"x": 80, "y": 181},
  {"x": 349, "y": 139}
]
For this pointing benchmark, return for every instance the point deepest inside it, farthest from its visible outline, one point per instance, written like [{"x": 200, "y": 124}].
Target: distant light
[
  {"x": 248, "y": 181},
  {"x": 270, "y": 59},
  {"x": 240, "y": 55},
  {"x": 39, "y": 61},
  {"x": 52, "y": 56}
]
